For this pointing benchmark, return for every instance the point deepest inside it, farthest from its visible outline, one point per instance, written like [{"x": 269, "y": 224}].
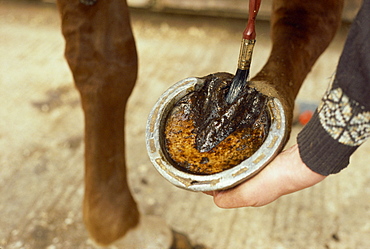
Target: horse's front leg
[
  {"x": 101, "y": 53},
  {"x": 301, "y": 31}
]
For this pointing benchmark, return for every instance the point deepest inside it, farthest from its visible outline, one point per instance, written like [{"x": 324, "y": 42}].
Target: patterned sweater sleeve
[{"x": 342, "y": 121}]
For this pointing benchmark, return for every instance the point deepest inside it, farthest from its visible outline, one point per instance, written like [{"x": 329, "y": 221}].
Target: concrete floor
[{"x": 41, "y": 131}]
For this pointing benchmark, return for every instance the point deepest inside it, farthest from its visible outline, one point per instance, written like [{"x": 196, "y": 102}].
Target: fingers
[
  {"x": 285, "y": 174},
  {"x": 258, "y": 191},
  {"x": 211, "y": 193}
]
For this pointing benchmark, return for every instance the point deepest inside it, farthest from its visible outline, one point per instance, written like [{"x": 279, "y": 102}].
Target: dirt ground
[{"x": 41, "y": 140}]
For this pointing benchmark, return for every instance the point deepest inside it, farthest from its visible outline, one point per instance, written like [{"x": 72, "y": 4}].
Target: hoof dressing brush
[{"x": 245, "y": 55}]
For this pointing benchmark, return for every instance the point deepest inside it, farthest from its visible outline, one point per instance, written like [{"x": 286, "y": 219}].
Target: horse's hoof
[{"x": 181, "y": 241}]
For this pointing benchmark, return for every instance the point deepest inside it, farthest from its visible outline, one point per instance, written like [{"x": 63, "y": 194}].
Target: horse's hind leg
[{"x": 101, "y": 53}]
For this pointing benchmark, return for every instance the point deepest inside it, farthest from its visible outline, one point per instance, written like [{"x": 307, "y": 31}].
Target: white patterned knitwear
[{"x": 342, "y": 121}]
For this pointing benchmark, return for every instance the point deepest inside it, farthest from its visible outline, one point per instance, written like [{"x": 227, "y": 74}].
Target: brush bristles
[{"x": 239, "y": 82}]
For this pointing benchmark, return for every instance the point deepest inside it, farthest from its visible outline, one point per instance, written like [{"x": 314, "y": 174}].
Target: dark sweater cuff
[{"x": 320, "y": 152}]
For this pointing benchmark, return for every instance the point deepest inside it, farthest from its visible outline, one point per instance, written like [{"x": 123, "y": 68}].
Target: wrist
[{"x": 301, "y": 176}]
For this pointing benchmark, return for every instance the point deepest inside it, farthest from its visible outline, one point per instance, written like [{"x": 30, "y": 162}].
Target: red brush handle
[{"x": 250, "y": 32}]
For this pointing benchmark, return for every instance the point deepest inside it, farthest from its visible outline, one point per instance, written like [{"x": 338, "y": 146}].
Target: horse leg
[
  {"x": 101, "y": 53},
  {"x": 301, "y": 31}
]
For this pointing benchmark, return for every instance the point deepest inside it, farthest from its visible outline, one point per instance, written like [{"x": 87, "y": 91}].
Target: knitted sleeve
[{"x": 342, "y": 121}]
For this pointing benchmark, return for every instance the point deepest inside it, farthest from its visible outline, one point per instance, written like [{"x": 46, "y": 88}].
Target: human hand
[{"x": 284, "y": 175}]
